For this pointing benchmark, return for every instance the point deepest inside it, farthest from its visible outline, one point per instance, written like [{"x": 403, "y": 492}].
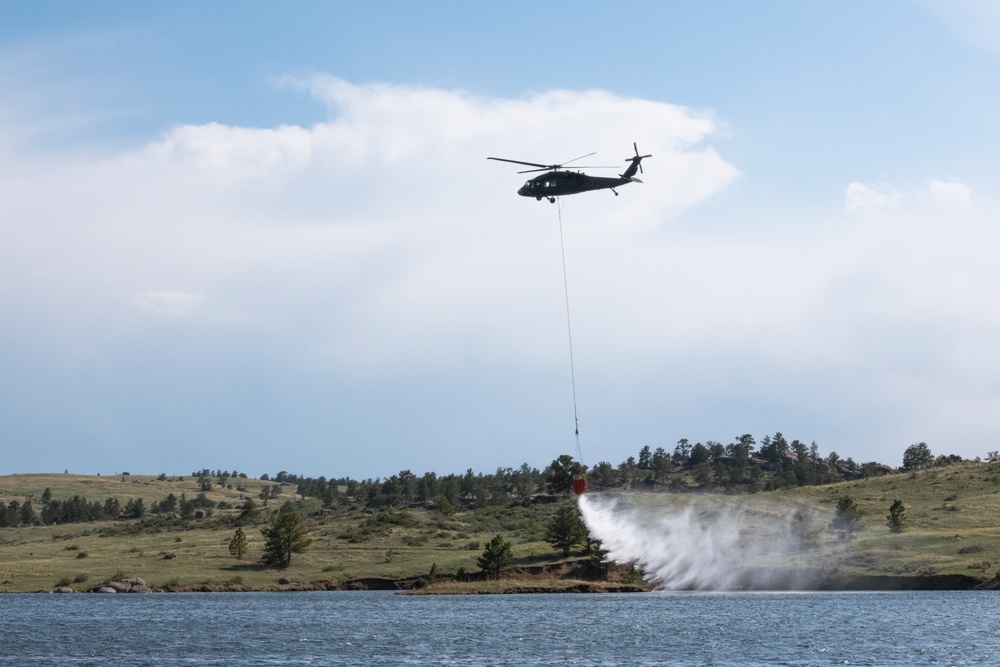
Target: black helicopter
[{"x": 558, "y": 182}]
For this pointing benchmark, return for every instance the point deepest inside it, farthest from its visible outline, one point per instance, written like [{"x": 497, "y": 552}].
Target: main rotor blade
[
  {"x": 557, "y": 167},
  {"x": 579, "y": 158},
  {"x": 530, "y": 164},
  {"x": 595, "y": 166}
]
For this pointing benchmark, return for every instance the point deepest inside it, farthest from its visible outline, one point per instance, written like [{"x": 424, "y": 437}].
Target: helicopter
[{"x": 556, "y": 183}]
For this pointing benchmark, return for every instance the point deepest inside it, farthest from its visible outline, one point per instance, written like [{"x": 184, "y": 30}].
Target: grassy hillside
[
  {"x": 953, "y": 523},
  {"x": 348, "y": 543},
  {"x": 952, "y": 529}
]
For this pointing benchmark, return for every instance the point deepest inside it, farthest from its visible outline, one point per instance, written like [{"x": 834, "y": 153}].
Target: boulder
[
  {"x": 64, "y": 589},
  {"x": 104, "y": 589}
]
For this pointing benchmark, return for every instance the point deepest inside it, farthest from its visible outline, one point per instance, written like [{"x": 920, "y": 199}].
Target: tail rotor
[
  {"x": 635, "y": 165},
  {"x": 637, "y": 159}
]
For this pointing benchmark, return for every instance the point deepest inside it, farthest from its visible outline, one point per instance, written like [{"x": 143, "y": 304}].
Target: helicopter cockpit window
[{"x": 528, "y": 184}]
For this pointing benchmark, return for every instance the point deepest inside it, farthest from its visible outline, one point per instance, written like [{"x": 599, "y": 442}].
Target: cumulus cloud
[
  {"x": 378, "y": 243},
  {"x": 389, "y": 210},
  {"x": 862, "y": 199},
  {"x": 870, "y": 199},
  {"x": 950, "y": 193},
  {"x": 386, "y": 277}
]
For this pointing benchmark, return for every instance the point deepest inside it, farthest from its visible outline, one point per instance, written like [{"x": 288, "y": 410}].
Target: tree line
[{"x": 741, "y": 466}]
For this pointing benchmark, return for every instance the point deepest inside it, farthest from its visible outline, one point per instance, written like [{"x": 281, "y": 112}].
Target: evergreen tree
[
  {"x": 847, "y": 519},
  {"x": 112, "y": 508},
  {"x": 566, "y": 530},
  {"x": 238, "y": 545},
  {"x": 185, "y": 507},
  {"x": 27, "y": 513},
  {"x": 135, "y": 509},
  {"x": 168, "y": 504},
  {"x": 801, "y": 527},
  {"x": 645, "y": 458},
  {"x": 497, "y": 557},
  {"x": 917, "y": 456},
  {"x": 560, "y": 473},
  {"x": 286, "y": 535},
  {"x": 249, "y": 513},
  {"x": 896, "y": 520}
]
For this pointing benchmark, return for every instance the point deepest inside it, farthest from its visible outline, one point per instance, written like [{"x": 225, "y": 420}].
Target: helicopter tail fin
[{"x": 635, "y": 165}]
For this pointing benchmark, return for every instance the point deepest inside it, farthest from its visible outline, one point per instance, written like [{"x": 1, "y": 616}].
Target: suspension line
[{"x": 569, "y": 334}]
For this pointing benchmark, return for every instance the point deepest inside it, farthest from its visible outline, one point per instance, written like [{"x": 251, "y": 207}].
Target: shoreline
[{"x": 804, "y": 581}]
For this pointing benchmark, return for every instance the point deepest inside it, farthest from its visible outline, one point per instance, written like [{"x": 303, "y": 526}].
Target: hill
[{"x": 951, "y": 530}]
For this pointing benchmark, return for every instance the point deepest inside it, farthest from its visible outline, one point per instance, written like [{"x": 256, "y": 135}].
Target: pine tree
[
  {"x": 566, "y": 530},
  {"x": 896, "y": 520},
  {"x": 497, "y": 557},
  {"x": 847, "y": 520},
  {"x": 238, "y": 545},
  {"x": 285, "y": 536}
]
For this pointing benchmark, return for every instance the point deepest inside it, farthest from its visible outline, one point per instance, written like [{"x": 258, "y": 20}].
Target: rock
[
  {"x": 284, "y": 580},
  {"x": 64, "y": 589},
  {"x": 878, "y": 469},
  {"x": 105, "y": 589}
]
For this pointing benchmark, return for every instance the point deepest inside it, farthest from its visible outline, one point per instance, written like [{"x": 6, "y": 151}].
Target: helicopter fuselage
[{"x": 559, "y": 183}]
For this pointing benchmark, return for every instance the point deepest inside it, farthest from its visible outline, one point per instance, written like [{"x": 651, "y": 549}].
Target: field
[
  {"x": 951, "y": 512},
  {"x": 348, "y": 543}
]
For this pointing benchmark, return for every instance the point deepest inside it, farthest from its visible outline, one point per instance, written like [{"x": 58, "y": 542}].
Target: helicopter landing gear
[
  {"x": 613, "y": 190},
  {"x": 552, "y": 200}
]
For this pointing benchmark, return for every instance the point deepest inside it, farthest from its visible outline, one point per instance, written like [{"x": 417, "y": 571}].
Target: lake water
[{"x": 379, "y": 628}]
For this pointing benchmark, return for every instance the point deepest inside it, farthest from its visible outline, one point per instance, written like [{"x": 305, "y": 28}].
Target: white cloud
[
  {"x": 168, "y": 303},
  {"x": 949, "y": 193},
  {"x": 870, "y": 200},
  {"x": 380, "y": 252},
  {"x": 384, "y": 228},
  {"x": 862, "y": 199}
]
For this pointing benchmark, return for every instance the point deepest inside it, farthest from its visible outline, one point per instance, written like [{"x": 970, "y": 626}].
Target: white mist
[{"x": 705, "y": 543}]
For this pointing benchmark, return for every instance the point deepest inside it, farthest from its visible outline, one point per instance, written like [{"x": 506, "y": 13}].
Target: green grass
[
  {"x": 348, "y": 543},
  {"x": 948, "y": 510},
  {"x": 125, "y": 487}
]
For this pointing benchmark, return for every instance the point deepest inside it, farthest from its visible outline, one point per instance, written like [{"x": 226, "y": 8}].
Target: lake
[{"x": 380, "y": 628}]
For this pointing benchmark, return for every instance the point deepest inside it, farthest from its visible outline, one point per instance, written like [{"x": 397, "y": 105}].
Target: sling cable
[{"x": 579, "y": 479}]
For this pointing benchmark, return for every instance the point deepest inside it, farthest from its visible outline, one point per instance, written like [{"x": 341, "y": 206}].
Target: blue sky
[{"x": 246, "y": 235}]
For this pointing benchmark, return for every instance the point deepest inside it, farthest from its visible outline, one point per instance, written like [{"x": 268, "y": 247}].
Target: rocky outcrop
[{"x": 131, "y": 585}]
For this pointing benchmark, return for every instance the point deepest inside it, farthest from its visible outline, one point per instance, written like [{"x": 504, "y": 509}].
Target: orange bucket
[{"x": 580, "y": 486}]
